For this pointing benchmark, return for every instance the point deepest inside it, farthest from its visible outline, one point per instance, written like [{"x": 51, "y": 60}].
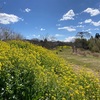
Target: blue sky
[{"x": 61, "y": 19}]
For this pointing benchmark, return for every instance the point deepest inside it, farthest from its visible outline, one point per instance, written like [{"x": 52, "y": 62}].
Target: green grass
[{"x": 80, "y": 60}]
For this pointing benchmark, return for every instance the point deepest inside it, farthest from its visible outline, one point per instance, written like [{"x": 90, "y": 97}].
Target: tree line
[{"x": 92, "y": 43}]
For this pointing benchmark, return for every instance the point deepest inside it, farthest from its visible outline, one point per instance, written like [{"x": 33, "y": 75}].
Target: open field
[{"x": 83, "y": 59}]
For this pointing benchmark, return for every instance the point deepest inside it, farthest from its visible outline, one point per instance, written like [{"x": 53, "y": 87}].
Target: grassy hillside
[
  {"x": 82, "y": 59},
  {"x": 30, "y": 72}
]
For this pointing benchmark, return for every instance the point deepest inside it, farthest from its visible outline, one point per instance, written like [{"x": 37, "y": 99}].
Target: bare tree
[
  {"x": 83, "y": 34},
  {"x": 48, "y": 38},
  {"x": 7, "y": 34}
]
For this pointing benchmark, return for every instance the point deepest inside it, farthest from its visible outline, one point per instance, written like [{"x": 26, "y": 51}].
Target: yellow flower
[
  {"x": 63, "y": 98},
  {"x": 76, "y": 91},
  {"x": 87, "y": 86},
  {"x": 80, "y": 87},
  {"x": 53, "y": 98},
  {"x": 71, "y": 94}
]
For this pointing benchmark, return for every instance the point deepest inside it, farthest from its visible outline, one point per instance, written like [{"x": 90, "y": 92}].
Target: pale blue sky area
[{"x": 61, "y": 19}]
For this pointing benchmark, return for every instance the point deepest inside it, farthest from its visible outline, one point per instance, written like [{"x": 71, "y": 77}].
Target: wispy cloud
[
  {"x": 80, "y": 23},
  {"x": 92, "y": 11},
  {"x": 70, "y": 39},
  {"x": 27, "y": 10},
  {"x": 80, "y": 26},
  {"x": 8, "y": 18},
  {"x": 70, "y": 29},
  {"x": 92, "y": 22},
  {"x": 68, "y": 16},
  {"x": 36, "y": 36},
  {"x": 58, "y": 24},
  {"x": 42, "y": 29},
  {"x": 33, "y": 36},
  {"x": 96, "y": 29},
  {"x": 88, "y": 30},
  {"x": 58, "y": 35}
]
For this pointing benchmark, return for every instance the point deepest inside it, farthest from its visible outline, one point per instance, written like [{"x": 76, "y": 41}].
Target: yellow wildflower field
[{"x": 30, "y": 72}]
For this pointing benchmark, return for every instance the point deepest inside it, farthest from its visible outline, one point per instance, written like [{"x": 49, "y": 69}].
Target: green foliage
[
  {"x": 59, "y": 48},
  {"x": 30, "y": 72},
  {"x": 81, "y": 43},
  {"x": 94, "y": 45}
]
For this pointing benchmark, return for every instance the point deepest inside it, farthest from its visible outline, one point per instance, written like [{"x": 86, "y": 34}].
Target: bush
[
  {"x": 94, "y": 45},
  {"x": 29, "y": 72}
]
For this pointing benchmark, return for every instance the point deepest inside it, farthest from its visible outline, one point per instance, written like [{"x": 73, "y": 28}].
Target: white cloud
[
  {"x": 42, "y": 29},
  {"x": 92, "y": 22},
  {"x": 33, "y": 36},
  {"x": 36, "y": 35},
  {"x": 58, "y": 35},
  {"x": 68, "y": 16},
  {"x": 96, "y": 23},
  {"x": 58, "y": 24},
  {"x": 80, "y": 26},
  {"x": 8, "y": 18},
  {"x": 70, "y": 39},
  {"x": 80, "y": 23},
  {"x": 92, "y": 11},
  {"x": 88, "y": 21},
  {"x": 70, "y": 29},
  {"x": 27, "y": 10},
  {"x": 88, "y": 30}
]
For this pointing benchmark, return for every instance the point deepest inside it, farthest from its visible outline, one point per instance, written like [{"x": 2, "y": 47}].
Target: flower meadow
[{"x": 30, "y": 72}]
